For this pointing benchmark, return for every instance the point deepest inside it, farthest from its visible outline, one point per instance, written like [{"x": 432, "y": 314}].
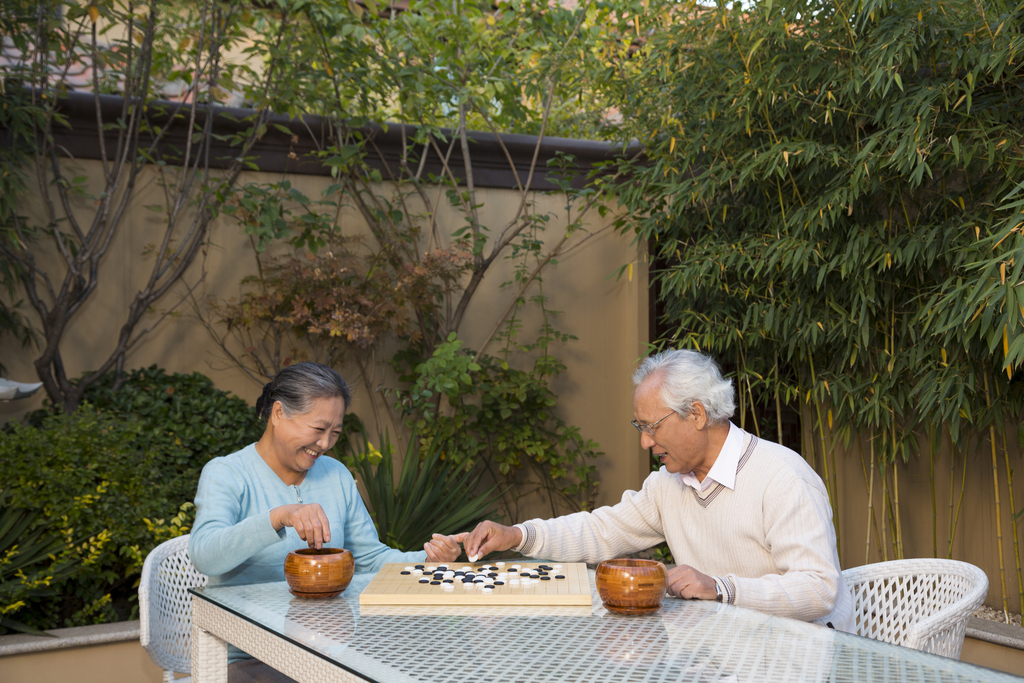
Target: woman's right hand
[{"x": 308, "y": 520}]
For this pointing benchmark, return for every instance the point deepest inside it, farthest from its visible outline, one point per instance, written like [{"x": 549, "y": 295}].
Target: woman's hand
[
  {"x": 444, "y": 548},
  {"x": 309, "y": 522}
]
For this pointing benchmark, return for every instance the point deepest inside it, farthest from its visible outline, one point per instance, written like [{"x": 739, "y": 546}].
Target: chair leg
[{"x": 209, "y": 657}]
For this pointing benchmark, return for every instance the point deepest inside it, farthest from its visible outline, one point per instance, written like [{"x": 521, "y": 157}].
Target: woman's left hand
[{"x": 442, "y": 548}]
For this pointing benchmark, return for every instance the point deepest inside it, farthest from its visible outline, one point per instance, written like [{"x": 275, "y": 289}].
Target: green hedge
[{"x": 115, "y": 479}]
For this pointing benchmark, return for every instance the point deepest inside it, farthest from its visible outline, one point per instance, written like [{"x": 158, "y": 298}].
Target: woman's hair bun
[{"x": 265, "y": 402}]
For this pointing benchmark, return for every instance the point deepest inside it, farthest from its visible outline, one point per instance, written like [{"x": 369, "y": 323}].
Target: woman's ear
[{"x": 276, "y": 413}]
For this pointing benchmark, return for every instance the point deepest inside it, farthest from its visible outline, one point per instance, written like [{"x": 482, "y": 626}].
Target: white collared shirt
[{"x": 724, "y": 470}]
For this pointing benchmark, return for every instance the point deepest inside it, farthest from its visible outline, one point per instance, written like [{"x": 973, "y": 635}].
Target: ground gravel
[{"x": 998, "y": 615}]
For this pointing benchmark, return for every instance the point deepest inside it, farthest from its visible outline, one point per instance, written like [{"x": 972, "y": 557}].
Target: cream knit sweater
[{"x": 770, "y": 542}]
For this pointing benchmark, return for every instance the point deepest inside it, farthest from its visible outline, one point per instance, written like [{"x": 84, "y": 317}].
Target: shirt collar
[{"x": 724, "y": 470}]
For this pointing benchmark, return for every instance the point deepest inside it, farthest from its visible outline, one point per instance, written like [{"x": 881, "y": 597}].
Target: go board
[{"x": 479, "y": 583}]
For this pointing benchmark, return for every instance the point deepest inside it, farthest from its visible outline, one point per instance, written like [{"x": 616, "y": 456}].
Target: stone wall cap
[
  {"x": 78, "y": 636},
  {"x": 1007, "y": 635}
]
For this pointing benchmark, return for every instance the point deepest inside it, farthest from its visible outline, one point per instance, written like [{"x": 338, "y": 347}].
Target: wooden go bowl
[
  {"x": 631, "y": 587},
  {"x": 323, "y": 573}
]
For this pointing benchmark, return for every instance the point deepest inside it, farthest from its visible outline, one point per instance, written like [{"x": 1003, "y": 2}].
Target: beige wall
[
  {"x": 608, "y": 316},
  {"x": 975, "y": 540},
  {"x": 124, "y": 662},
  {"x": 993, "y": 656}
]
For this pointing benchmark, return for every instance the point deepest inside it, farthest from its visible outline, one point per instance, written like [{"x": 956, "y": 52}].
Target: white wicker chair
[
  {"x": 922, "y": 603},
  {"x": 165, "y": 607}
]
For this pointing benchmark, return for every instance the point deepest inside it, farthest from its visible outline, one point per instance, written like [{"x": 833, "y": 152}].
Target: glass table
[{"x": 685, "y": 641}]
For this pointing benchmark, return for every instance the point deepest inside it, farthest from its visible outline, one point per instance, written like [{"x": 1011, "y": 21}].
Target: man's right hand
[
  {"x": 489, "y": 537},
  {"x": 309, "y": 521}
]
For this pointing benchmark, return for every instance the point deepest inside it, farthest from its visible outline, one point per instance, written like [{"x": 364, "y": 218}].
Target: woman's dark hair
[{"x": 297, "y": 386}]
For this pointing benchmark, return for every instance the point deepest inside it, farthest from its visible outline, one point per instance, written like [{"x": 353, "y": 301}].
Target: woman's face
[{"x": 299, "y": 440}]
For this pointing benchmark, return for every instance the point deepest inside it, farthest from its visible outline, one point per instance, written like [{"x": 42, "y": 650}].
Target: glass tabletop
[{"x": 685, "y": 641}]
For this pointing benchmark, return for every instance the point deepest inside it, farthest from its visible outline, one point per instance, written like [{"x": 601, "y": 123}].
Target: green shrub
[
  {"x": 433, "y": 492},
  {"x": 121, "y": 472}
]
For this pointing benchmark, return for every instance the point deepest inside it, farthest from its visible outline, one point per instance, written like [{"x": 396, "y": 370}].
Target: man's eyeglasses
[{"x": 648, "y": 429}]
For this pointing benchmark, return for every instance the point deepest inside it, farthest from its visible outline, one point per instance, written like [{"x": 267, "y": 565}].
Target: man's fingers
[{"x": 476, "y": 543}]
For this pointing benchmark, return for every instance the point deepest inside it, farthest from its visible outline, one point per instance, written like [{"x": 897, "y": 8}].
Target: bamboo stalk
[
  {"x": 1013, "y": 520},
  {"x": 824, "y": 459},
  {"x": 898, "y": 531},
  {"x": 959, "y": 503},
  {"x": 778, "y": 403},
  {"x": 885, "y": 505},
  {"x": 995, "y": 483},
  {"x": 896, "y": 490},
  {"x": 931, "y": 477},
  {"x": 871, "y": 502},
  {"x": 1013, "y": 526},
  {"x": 739, "y": 388},
  {"x": 753, "y": 411},
  {"x": 952, "y": 493}
]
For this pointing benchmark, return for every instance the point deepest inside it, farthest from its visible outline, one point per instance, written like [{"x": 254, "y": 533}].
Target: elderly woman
[{"x": 256, "y": 505}]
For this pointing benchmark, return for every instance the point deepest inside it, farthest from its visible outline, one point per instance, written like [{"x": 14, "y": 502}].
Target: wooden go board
[{"x": 489, "y": 583}]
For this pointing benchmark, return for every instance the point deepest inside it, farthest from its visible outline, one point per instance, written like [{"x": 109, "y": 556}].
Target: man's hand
[
  {"x": 309, "y": 522},
  {"x": 686, "y": 582},
  {"x": 442, "y": 548},
  {"x": 489, "y": 537}
]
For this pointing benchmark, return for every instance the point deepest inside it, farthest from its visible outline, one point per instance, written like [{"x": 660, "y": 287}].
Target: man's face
[{"x": 679, "y": 443}]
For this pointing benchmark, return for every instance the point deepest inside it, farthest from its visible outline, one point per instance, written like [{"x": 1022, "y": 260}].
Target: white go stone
[
  {"x": 474, "y": 558},
  {"x": 500, "y": 564},
  {"x": 409, "y": 569},
  {"x": 514, "y": 582}
]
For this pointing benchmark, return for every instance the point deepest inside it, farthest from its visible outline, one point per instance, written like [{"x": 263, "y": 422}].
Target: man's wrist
[{"x": 520, "y": 531}]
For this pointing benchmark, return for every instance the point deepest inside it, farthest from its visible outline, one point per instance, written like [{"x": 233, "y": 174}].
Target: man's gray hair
[{"x": 688, "y": 377}]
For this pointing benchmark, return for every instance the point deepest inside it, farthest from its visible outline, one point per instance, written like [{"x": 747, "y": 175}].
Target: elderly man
[{"x": 748, "y": 521}]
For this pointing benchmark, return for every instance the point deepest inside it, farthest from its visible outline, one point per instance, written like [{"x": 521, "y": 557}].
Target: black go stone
[
  {"x": 499, "y": 583},
  {"x": 545, "y": 578},
  {"x": 560, "y": 576},
  {"x": 493, "y": 575},
  {"x": 418, "y": 566},
  {"x": 447, "y": 581},
  {"x": 435, "y": 583},
  {"x": 406, "y": 573},
  {"x": 424, "y": 580}
]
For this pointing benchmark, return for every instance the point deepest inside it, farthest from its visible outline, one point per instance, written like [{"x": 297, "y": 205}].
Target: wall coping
[
  {"x": 78, "y": 636},
  {"x": 1007, "y": 635},
  {"x": 291, "y": 145}
]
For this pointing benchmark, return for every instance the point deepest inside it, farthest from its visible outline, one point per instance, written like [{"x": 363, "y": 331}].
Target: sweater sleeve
[
  {"x": 631, "y": 525},
  {"x": 220, "y": 539},
  {"x": 802, "y": 542},
  {"x": 361, "y": 535}
]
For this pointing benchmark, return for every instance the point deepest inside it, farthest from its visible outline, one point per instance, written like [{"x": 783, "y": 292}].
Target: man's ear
[{"x": 699, "y": 415}]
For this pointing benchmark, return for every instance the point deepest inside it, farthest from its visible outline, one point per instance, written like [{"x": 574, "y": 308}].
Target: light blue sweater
[{"x": 233, "y": 541}]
